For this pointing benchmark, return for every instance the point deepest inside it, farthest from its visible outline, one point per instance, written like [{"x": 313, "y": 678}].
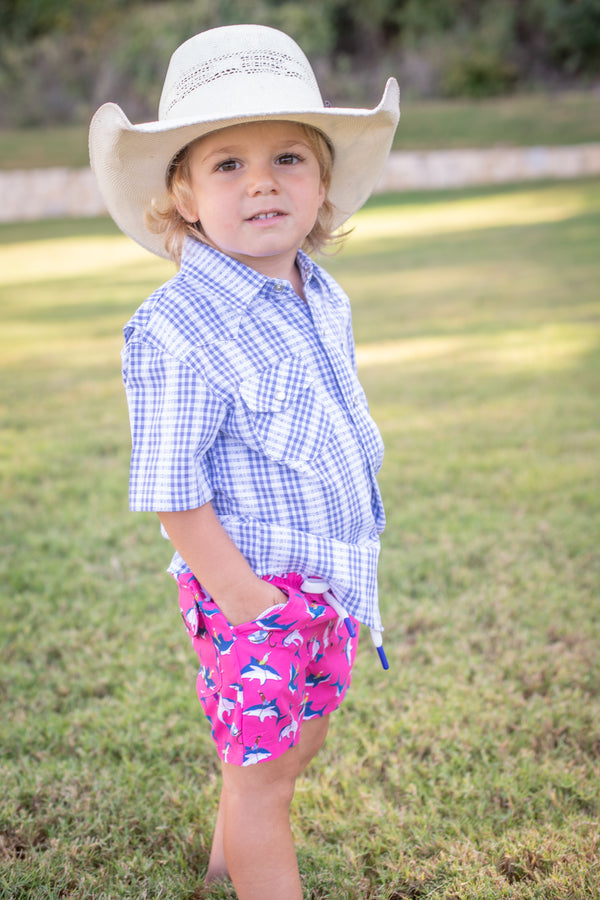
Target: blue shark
[
  {"x": 339, "y": 686},
  {"x": 274, "y": 623},
  {"x": 311, "y": 713},
  {"x": 222, "y": 644},
  {"x": 205, "y": 673},
  {"x": 315, "y": 680},
  {"x": 315, "y": 610},
  {"x": 254, "y": 755},
  {"x": 208, "y": 613},
  {"x": 192, "y": 620},
  {"x": 293, "y": 684},
  {"x": 259, "y": 670},
  {"x": 265, "y": 710}
]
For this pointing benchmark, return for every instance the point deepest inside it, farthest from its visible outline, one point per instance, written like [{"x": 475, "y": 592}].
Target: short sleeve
[{"x": 174, "y": 420}]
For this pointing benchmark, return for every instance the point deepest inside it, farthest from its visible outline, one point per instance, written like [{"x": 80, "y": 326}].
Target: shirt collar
[
  {"x": 226, "y": 278},
  {"x": 241, "y": 283}
]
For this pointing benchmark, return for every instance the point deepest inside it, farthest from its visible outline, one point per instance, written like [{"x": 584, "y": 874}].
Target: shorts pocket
[
  {"x": 284, "y": 414},
  {"x": 204, "y": 626}
]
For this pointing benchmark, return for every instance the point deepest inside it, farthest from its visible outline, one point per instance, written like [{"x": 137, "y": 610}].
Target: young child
[{"x": 251, "y": 434}]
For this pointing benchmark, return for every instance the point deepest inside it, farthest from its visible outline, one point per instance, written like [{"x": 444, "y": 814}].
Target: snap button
[{"x": 280, "y": 395}]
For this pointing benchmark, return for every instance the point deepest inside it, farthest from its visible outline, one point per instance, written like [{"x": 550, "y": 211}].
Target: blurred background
[
  {"x": 60, "y": 59},
  {"x": 469, "y": 771}
]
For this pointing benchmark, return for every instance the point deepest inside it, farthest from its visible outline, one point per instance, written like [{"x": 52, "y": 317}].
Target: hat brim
[{"x": 130, "y": 161}]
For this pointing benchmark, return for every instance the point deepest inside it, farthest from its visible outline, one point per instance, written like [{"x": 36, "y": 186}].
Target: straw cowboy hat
[{"x": 228, "y": 76}]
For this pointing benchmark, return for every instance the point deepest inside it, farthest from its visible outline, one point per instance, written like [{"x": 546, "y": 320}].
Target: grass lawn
[
  {"x": 470, "y": 770},
  {"x": 520, "y": 120}
]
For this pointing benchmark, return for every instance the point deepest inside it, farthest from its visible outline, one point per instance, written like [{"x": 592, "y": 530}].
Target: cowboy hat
[{"x": 229, "y": 76}]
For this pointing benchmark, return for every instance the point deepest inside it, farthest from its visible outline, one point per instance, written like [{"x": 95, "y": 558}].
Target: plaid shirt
[{"x": 242, "y": 394}]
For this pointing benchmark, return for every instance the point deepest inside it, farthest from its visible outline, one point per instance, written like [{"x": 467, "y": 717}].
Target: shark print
[
  {"x": 192, "y": 620},
  {"x": 259, "y": 681},
  {"x": 222, "y": 644},
  {"x": 205, "y": 673},
  {"x": 259, "y": 669},
  {"x": 348, "y": 651},
  {"x": 274, "y": 623},
  {"x": 293, "y": 682},
  {"x": 310, "y": 712},
  {"x": 289, "y": 730},
  {"x": 264, "y": 710},
  {"x": 314, "y": 646},
  {"x": 255, "y": 754},
  {"x": 225, "y": 708},
  {"x": 340, "y": 686},
  {"x": 315, "y": 610},
  {"x": 314, "y": 679}
]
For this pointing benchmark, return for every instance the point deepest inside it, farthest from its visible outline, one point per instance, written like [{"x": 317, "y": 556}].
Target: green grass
[
  {"x": 521, "y": 120},
  {"x": 470, "y": 770}
]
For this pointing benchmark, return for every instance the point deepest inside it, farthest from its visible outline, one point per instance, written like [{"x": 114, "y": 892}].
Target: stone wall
[
  {"x": 496, "y": 165},
  {"x": 53, "y": 193}
]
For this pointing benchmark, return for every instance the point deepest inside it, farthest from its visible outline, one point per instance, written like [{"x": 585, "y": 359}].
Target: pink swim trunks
[{"x": 258, "y": 681}]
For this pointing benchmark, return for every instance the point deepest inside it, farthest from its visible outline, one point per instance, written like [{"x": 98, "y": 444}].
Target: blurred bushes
[{"x": 59, "y": 59}]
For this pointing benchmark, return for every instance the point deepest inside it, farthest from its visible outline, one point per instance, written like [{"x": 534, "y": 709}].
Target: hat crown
[{"x": 238, "y": 70}]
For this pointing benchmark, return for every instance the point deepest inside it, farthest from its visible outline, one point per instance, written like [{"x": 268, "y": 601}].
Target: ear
[
  {"x": 187, "y": 212},
  {"x": 322, "y": 194}
]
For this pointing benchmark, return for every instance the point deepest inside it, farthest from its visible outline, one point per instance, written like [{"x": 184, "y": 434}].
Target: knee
[{"x": 263, "y": 785}]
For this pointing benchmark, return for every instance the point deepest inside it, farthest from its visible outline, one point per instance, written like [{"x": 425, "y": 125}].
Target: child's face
[{"x": 256, "y": 191}]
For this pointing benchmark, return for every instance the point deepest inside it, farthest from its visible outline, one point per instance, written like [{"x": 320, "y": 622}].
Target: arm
[{"x": 214, "y": 559}]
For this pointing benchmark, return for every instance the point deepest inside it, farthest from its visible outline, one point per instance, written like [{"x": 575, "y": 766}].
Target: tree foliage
[{"x": 61, "y": 58}]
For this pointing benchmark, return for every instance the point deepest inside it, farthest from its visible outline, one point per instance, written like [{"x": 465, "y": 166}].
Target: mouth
[{"x": 264, "y": 216}]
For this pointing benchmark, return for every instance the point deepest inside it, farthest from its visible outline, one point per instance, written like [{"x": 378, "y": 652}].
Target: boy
[{"x": 251, "y": 434}]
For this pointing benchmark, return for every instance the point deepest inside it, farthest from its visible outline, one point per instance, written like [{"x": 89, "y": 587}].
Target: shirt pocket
[{"x": 284, "y": 414}]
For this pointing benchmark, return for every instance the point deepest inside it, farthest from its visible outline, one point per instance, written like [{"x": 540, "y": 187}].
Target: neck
[{"x": 284, "y": 269}]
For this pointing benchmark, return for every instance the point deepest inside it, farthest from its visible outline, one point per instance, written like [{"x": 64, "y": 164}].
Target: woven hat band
[{"x": 248, "y": 79}]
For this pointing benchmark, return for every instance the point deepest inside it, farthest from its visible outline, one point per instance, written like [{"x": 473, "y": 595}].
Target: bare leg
[
  {"x": 312, "y": 736},
  {"x": 257, "y": 836},
  {"x": 217, "y": 867}
]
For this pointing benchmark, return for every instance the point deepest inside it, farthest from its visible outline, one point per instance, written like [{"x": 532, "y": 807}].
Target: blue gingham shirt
[{"x": 242, "y": 394}]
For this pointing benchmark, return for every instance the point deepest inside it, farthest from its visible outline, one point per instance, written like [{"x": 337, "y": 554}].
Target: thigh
[{"x": 312, "y": 738}]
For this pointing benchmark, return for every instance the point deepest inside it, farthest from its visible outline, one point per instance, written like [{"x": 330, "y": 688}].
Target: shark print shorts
[{"x": 260, "y": 680}]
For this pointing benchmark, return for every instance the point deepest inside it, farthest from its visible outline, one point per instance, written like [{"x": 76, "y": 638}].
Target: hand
[
  {"x": 248, "y": 600},
  {"x": 218, "y": 564}
]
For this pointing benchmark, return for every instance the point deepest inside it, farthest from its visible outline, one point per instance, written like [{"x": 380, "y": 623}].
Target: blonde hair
[{"x": 169, "y": 221}]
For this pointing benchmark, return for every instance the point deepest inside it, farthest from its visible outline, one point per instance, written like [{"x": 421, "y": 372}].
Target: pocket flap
[{"x": 276, "y": 388}]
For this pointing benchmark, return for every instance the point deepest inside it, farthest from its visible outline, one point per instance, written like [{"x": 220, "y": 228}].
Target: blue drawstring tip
[
  {"x": 350, "y": 627},
  {"x": 383, "y": 657},
  {"x": 378, "y": 644}
]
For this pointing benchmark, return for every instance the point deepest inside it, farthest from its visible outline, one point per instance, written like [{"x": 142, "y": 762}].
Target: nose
[{"x": 261, "y": 180}]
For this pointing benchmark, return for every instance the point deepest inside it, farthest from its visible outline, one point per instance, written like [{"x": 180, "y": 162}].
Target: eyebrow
[{"x": 235, "y": 149}]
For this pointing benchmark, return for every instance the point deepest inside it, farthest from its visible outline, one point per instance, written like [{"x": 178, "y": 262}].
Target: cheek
[{"x": 217, "y": 220}]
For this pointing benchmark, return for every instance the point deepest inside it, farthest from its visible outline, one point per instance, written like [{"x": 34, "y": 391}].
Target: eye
[
  {"x": 289, "y": 159},
  {"x": 228, "y": 165}
]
